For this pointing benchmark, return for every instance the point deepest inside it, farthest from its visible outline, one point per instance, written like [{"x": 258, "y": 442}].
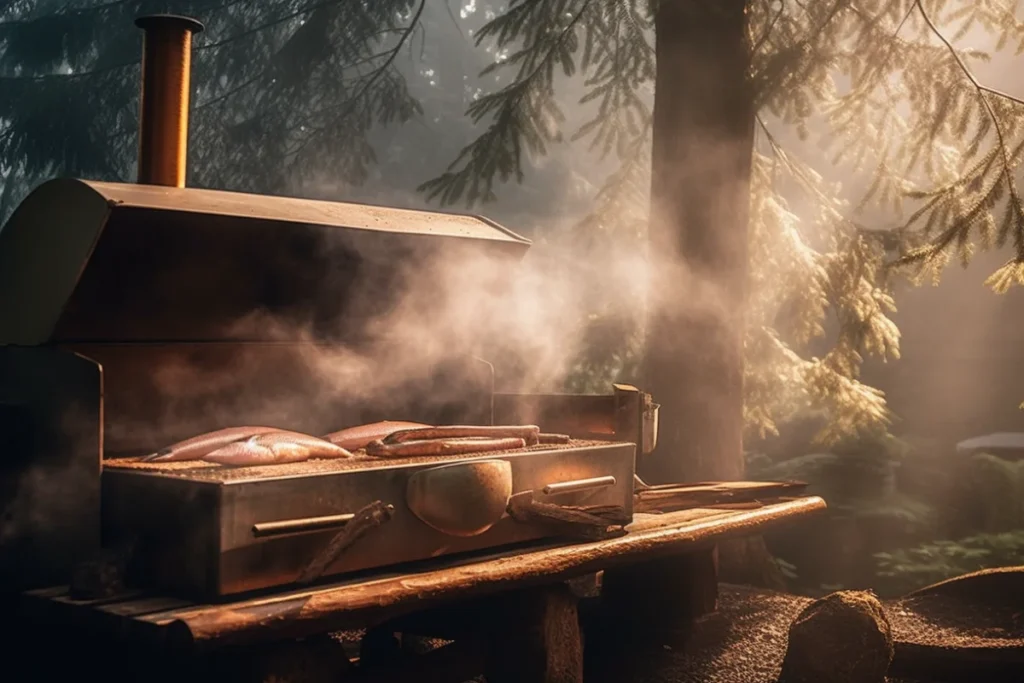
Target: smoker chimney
[{"x": 163, "y": 112}]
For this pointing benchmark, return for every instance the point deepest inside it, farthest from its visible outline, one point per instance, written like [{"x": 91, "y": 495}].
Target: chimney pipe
[{"x": 163, "y": 111}]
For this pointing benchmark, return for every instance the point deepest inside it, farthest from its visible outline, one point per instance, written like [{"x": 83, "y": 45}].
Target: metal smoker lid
[{"x": 84, "y": 261}]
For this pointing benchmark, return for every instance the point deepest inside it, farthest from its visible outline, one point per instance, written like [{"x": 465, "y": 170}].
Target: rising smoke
[{"x": 388, "y": 344}]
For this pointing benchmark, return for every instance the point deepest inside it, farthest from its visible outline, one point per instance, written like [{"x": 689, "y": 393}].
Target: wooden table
[{"x": 535, "y": 575}]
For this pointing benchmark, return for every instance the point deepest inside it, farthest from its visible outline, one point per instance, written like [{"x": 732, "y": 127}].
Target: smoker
[{"x": 136, "y": 315}]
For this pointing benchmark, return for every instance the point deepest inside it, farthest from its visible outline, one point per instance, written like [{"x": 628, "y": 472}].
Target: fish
[
  {"x": 199, "y": 446},
  {"x": 247, "y": 453},
  {"x": 275, "y": 448},
  {"x": 354, "y": 438}
]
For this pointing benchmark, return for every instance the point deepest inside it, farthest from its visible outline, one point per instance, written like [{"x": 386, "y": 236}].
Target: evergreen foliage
[
  {"x": 881, "y": 83},
  {"x": 904, "y": 570},
  {"x": 293, "y": 89},
  {"x": 283, "y": 89}
]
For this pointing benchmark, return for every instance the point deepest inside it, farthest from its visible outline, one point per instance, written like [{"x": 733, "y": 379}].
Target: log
[
  {"x": 359, "y": 602},
  {"x": 537, "y": 639},
  {"x": 384, "y": 598}
]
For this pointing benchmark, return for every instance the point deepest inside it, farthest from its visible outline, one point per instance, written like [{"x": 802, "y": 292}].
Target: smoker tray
[{"x": 193, "y": 522}]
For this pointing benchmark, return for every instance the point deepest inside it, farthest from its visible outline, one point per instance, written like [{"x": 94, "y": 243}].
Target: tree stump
[
  {"x": 535, "y": 638},
  {"x": 662, "y": 594}
]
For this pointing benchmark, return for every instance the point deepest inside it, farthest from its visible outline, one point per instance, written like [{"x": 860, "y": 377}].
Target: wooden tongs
[{"x": 710, "y": 494}]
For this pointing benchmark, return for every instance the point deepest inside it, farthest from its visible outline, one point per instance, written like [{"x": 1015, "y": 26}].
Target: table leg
[{"x": 536, "y": 638}]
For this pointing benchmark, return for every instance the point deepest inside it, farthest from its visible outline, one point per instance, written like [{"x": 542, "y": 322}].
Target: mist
[{"x": 404, "y": 321}]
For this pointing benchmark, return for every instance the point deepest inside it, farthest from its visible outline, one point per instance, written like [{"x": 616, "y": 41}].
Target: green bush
[{"x": 901, "y": 571}]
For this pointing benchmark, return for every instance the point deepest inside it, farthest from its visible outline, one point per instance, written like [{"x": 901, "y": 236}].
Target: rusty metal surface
[
  {"x": 627, "y": 414},
  {"x": 364, "y": 601},
  {"x": 164, "y": 102},
  {"x": 201, "y": 541}
]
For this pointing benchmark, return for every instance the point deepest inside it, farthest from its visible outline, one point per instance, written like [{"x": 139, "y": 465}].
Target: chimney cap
[{"x": 151, "y": 21}]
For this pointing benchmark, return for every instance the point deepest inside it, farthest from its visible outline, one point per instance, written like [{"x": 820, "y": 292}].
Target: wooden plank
[
  {"x": 353, "y": 605},
  {"x": 118, "y": 616},
  {"x": 152, "y": 605},
  {"x": 49, "y": 593},
  {"x": 101, "y": 603},
  {"x": 360, "y": 602}
]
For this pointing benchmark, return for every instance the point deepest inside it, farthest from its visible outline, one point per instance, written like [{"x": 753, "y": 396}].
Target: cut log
[{"x": 537, "y": 639}]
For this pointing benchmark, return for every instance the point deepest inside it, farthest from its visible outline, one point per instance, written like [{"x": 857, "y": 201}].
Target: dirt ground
[{"x": 743, "y": 642}]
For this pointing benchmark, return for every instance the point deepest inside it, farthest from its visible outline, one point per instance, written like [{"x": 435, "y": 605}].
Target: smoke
[
  {"x": 49, "y": 507},
  {"x": 401, "y": 339}
]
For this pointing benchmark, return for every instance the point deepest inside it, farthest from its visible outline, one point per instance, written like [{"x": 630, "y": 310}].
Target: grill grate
[{"x": 206, "y": 471}]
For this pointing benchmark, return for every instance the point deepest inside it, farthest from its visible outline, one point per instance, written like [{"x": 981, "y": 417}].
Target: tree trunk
[
  {"x": 700, "y": 196},
  {"x": 700, "y": 203}
]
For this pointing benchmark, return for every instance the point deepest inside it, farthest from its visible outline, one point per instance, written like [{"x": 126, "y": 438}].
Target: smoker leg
[
  {"x": 536, "y": 638},
  {"x": 661, "y": 594}
]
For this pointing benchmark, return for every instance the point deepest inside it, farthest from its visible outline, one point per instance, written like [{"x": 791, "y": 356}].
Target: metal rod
[
  {"x": 164, "y": 103},
  {"x": 579, "y": 485},
  {"x": 291, "y": 526}
]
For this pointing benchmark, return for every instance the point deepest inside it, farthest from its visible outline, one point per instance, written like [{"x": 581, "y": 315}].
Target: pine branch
[
  {"x": 368, "y": 83},
  {"x": 65, "y": 12},
  {"x": 981, "y": 96},
  {"x": 979, "y": 212},
  {"x": 308, "y": 9},
  {"x": 521, "y": 113}
]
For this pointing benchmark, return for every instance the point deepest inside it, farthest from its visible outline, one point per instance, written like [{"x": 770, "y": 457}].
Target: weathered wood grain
[{"x": 366, "y": 601}]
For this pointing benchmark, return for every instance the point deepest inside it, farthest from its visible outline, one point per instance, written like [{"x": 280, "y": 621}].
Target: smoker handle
[
  {"x": 292, "y": 526},
  {"x": 578, "y": 485}
]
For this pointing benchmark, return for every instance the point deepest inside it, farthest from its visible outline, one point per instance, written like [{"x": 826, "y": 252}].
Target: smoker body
[{"x": 212, "y": 537}]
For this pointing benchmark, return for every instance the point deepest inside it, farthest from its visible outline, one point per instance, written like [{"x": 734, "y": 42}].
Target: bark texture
[
  {"x": 703, "y": 131},
  {"x": 700, "y": 196}
]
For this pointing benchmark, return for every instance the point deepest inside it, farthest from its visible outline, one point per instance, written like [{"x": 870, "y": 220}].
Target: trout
[
  {"x": 275, "y": 448},
  {"x": 354, "y": 438},
  {"x": 199, "y": 446}
]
